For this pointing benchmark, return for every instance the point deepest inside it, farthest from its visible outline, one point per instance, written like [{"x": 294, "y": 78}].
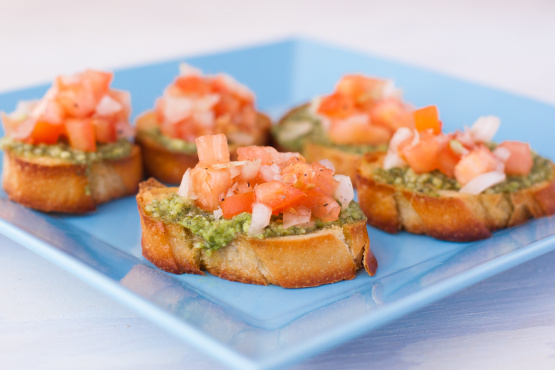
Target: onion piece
[
  {"x": 261, "y": 215},
  {"x": 327, "y": 163},
  {"x": 186, "y": 70},
  {"x": 389, "y": 90},
  {"x": 502, "y": 153},
  {"x": 295, "y": 130},
  {"x": 176, "y": 108},
  {"x": 484, "y": 129},
  {"x": 392, "y": 158},
  {"x": 344, "y": 192},
  {"x": 482, "y": 182},
  {"x": 186, "y": 187},
  {"x": 250, "y": 170},
  {"x": 270, "y": 173},
  {"x": 241, "y": 138},
  {"x": 218, "y": 213},
  {"x": 300, "y": 216},
  {"x": 108, "y": 106}
]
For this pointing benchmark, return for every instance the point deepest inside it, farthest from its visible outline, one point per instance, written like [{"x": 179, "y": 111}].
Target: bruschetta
[
  {"x": 70, "y": 150},
  {"x": 360, "y": 116},
  {"x": 191, "y": 106},
  {"x": 458, "y": 186},
  {"x": 267, "y": 218}
]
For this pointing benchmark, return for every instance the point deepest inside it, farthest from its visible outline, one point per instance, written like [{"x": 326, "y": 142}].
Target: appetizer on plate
[
  {"x": 268, "y": 218},
  {"x": 195, "y": 105},
  {"x": 459, "y": 186},
  {"x": 69, "y": 151},
  {"x": 360, "y": 116}
]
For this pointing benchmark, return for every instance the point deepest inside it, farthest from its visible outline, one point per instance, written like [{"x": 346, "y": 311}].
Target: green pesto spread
[
  {"x": 430, "y": 183},
  {"x": 317, "y": 134},
  {"x": 63, "y": 151},
  {"x": 218, "y": 233},
  {"x": 173, "y": 144}
]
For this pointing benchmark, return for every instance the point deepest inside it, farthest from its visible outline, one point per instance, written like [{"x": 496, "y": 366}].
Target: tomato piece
[
  {"x": 46, "y": 133},
  {"x": 322, "y": 206},
  {"x": 337, "y": 106},
  {"x": 324, "y": 180},
  {"x": 278, "y": 196},
  {"x": 447, "y": 160},
  {"x": 78, "y": 95},
  {"x": 236, "y": 204},
  {"x": 427, "y": 118},
  {"x": 364, "y": 91},
  {"x": 266, "y": 154},
  {"x": 80, "y": 133},
  {"x": 475, "y": 163},
  {"x": 210, "y": 185},
  {"x": 300, "y": 175},
  {"x": 193, "y": 85},
  {"x": 104, "y": 130},
  {"x": 391, "y": 114},
  {"x": 520, "y": 161},
  {"x": 212, "y": 149},
  {"x": 422, "y": 157},
  {"x": 357, "y": 129}
]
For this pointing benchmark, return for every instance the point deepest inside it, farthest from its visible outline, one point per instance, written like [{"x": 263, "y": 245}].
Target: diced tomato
[
  {"x": 422, "y": 157},
  {"x": 210, "y": 185},
  {"x": 322, "y": 206},
  {"x": 358, "y": 130},
  {"x": 391, "y": 114},
  {"x": 227, "y": 104},
  {"x": 124, "y": 98},
  {"x": 79, "y": 94},
  {"x": 337, "y": 106},
  {"x": 475, "y": 163},
  {"x": 97, "y": 81},
  {"x": 278, "y": 196},
  {"x": 104, "y": 130},
  {"x": 193, "y": 85},
  {"x": 266, "y": 154},
  {"x": 427, "y": 118},
  {"x": 520, "y": 161},
  {"x": 447, "y": 160},
  {"x": 300, "y": 174},
  {"x": 80, "y": 133},
  {"x": 324, "y": 178},
  {"x": 364, "y": 91},
  {"x": 236, "y": 204},
  {"x": 212, "y": 149},
  {"x": 46, "y": 133},
  {"x": 186, "y": 130}
]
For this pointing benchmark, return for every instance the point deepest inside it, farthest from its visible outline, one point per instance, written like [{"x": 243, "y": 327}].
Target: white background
[{"x": 48, "y": 320}]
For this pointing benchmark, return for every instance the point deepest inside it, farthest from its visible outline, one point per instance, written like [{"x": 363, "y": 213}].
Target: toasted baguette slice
[
  {"x": 322, "y": 257},
  {"x": 168, "y": 165},
  {"x": 53, "y": 185},
  {"x": 451, "y": 216}
]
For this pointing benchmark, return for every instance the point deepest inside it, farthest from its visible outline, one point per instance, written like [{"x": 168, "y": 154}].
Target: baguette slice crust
[
  {"x": 169, "y": 166},
  {"x": 451, "y": 216},
  {"x": 318, "y": 258},
  {"x": 53, "y": 185}
]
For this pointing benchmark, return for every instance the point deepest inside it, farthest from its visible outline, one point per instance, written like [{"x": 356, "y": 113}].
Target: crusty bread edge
[
  {"x": 53, "y": 185},
  {"x": 314, "y": 259},
  {"x": 452, "y": 216},
  {"x": 169, "y": 166}
]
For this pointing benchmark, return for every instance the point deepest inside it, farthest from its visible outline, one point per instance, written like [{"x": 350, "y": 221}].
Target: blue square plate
[{"x": 248, "y": 326}]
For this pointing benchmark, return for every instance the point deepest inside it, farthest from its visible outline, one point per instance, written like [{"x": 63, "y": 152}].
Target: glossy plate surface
[{"x": 247, "y": 326}]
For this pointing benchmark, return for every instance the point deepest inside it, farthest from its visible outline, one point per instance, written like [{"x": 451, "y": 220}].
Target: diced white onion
[
  {"x": 250, "y": 169},
  {"x": 186, "y": 70},
  {"x": 23, "y": 109},
  {"x": 218, "y": 213},
  {"x": 205, "y": 118},
  {"x": 235, "y": 86},
  {"x": 261, "y": 215},
  {"x": 314, "y": 105},
  {"x": 344, "y": 192},
  {"x": 392, "y": 158},
  {"x": 482, "y": 182},
  {"x": 177, "y": 108},
  {"x": 108, "y": 106},
  {"x": 219, "y": 166},
  {"x": 391, "y": 91},
  {"x": 295, "y": 130},
  {"x": 484, "y": 129},
  {"x": 205, "y": 103},
  {"x": 186, "y": 188},
  {"x": 502, "y": 153},
  {"x": 270, "y": 173},
  {"x": 327, "y": 163},
  {"x": 300, "y": 216}
]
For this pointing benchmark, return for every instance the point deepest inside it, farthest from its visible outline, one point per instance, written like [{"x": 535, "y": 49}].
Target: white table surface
[{"x": 50, "y": 320}]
